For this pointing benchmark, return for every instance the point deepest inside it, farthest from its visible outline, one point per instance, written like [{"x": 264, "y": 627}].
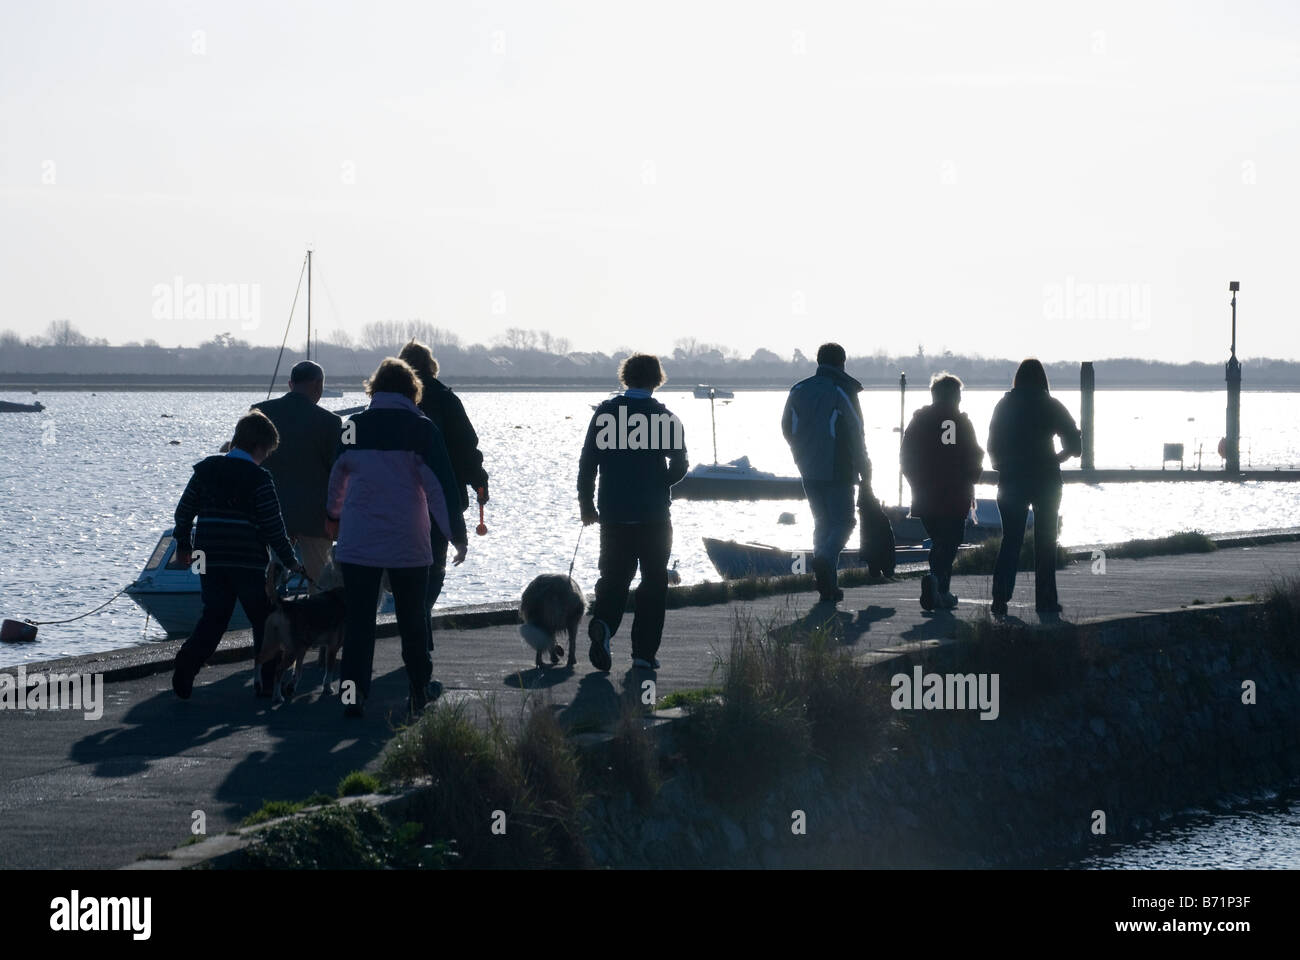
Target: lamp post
[{"x": 1232, "y": 439}]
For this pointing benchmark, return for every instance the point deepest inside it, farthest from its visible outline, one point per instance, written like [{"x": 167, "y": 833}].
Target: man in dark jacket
[
  {"x": 822, "y": 422},
  {"x": 941, "y": 459},
  {"x": 443, "y": 407},
  {"x": 238, "y": 514},
  {"x": 300, "y": 466},
  {"x": 638, "y": 448}
]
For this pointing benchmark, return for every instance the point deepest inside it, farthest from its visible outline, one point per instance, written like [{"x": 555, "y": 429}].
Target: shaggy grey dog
[{"x": 552, "y": 603}]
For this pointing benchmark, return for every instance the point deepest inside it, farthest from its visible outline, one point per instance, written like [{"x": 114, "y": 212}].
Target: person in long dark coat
[
  {"x": 941, "y": 459},
  {"x": 1022, "y": 445}
]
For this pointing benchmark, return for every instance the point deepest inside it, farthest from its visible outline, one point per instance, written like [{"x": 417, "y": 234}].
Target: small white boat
[
  {"x": 705, "y": 392},
  {"x": 169, "y": 592},
  {"x": 736, "y": 480}
]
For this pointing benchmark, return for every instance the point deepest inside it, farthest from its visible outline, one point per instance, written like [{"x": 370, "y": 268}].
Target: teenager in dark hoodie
[
  {"x": 1022, "y": 445},
  {"x": 941, "y": 459},
  {"x": 233, "y": 497},
  {"x": 638, "y": 447}
]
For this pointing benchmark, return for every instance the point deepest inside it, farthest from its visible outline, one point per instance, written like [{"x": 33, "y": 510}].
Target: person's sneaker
[
  {"x": 999, "y": 608},
  {"x": 643, "y": 664},
  {"x": 928, "y": 592},
  {"x": 948, "y": 601},
  {"x": 599, "y": 652}
]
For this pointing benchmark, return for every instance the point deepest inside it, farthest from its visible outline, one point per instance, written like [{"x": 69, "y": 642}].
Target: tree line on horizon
[{"x": 535, "y": 355}]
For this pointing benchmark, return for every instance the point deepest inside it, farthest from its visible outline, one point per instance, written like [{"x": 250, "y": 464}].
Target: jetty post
[
  {"x": 902, "y": 411},
  {"x": 1087, "y": 386},
  {"x": 1232, "y": 438}
]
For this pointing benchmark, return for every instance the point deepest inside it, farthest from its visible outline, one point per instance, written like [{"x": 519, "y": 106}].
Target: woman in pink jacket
[{"x": 391, "y": 480}]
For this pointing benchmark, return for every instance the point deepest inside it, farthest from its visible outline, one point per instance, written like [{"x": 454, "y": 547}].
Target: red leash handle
[{"x": 481, "y": 529}]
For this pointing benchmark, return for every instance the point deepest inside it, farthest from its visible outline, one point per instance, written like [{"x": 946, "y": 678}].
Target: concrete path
[{"x": 101, "y": 793}]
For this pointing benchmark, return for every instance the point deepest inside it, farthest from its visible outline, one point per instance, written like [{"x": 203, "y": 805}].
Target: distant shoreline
[{"x": 108, "y": 383}]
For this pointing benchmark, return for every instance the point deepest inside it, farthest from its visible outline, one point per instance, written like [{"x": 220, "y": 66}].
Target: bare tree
[
  {"x": 517, "y": 338},
  {"x": 61, "y": 333}
]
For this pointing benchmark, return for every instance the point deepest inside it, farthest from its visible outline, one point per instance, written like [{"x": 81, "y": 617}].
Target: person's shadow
[
  {"x": 305, "y": 745},
  {"x": 539, "y": 678},
  {"x": 844, "y": 626},
  {"x": 594, "y": 706}
]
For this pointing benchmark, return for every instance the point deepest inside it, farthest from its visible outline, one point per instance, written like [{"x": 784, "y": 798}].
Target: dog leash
[{"x": 575, "y": 550}]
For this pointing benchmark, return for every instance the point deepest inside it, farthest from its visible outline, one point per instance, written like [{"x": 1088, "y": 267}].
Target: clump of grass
[
  {"x": 1185, "y": 541},
  {"x": 757, "y": 731},
  {"x": 508, "y": 797},
  {"x": 275, "y": 809},
  {"x": 1282, "y": 617},
  {"x": 358, "y": 783},
  {"x": 353, "y": 837},
  {"x": 786, "y": 696},
  {"x": 688, "y": 698},
  {"x": 633, "y": 756},
  {"x": 983, "y": 558},
  {"x": 1030, "y": 660},
  {"x": 846, "y": 708}
]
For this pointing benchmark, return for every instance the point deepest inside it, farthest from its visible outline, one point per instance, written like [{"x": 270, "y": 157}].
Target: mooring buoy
[{"x": 17, "y": 631}]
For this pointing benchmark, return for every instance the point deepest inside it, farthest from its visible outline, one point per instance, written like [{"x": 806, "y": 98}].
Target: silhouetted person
[
  {"x": 443, "y": 407},
  {"x": 309, "y": 440},
  {"x": 1022, "y": 445},
  {"x": 638, "y": 447},
  {"x": 391, "y": 480},
  {"x": 233, "y": 498},
  {"x": 941, "y": 459},
  {"x": 822, "y": 422}
]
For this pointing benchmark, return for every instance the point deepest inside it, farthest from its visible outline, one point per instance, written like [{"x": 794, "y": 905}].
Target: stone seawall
[{"x": 1109, "y": 725}]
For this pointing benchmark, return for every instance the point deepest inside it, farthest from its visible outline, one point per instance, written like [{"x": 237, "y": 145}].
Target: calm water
[
  {"x": 87, "y": 486},
  {"x": 1263, "y": 835}
]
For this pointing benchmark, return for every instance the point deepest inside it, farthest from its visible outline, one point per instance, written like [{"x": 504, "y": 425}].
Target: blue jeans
[{"x": 833, "y": 517}]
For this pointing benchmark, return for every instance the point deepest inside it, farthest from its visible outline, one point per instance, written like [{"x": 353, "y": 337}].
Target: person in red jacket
[{"x": 941, "y": 460}]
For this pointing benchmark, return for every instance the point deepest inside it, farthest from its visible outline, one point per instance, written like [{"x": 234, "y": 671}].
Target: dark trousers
[
  {"x": 946, "y": 535},
  {"x": 437, "y": 576},
  {"x": 361, "y": 593},
  {"x": 624, "y": 546},
  {"x": 220, "y": 587},
  {"x": 1014, "y": 506}
]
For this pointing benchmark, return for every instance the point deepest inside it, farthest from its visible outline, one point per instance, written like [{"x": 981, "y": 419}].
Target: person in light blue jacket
[{"x": 822, "y": 422}]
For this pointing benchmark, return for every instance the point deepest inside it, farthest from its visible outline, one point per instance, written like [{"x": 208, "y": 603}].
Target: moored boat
[{"x": 8, "y": 406}]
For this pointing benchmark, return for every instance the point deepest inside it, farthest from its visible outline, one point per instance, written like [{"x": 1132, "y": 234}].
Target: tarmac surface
[{"x": 78, "y": 792}]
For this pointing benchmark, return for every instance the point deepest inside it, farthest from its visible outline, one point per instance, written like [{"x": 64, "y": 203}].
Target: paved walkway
[{"x": 82, "y": 793}]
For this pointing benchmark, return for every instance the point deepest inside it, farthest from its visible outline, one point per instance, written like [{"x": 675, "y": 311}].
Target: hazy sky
[{"x": 1006, "y": 179}]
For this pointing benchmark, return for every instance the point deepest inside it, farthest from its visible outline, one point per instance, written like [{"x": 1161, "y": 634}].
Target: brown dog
[{"x": 295, "y": 626}]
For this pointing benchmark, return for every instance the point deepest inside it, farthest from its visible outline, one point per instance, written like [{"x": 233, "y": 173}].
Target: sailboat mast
[{"x": 309, "y": 304}]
